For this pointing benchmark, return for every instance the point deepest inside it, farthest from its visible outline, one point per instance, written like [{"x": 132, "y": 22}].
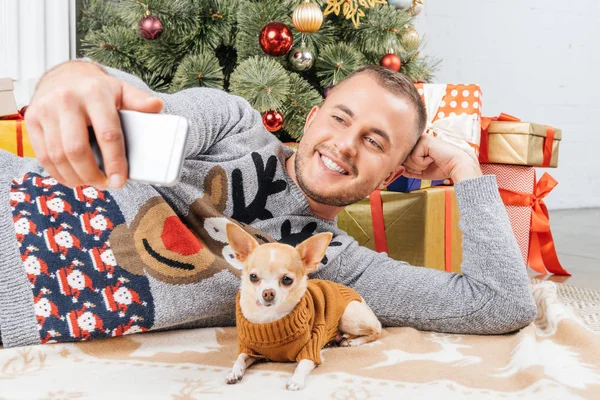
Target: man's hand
[
  {"x": 434, "y": 159},
  {"x": 68, "y": 99}
]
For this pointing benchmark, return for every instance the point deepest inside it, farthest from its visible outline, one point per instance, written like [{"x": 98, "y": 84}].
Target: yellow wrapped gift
[
  {"x": 14, "y": 137},
  {"x": 419, "y": 227}
]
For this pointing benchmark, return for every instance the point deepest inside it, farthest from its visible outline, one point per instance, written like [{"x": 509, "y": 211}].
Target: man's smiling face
[{"x": 354, "y": 142}]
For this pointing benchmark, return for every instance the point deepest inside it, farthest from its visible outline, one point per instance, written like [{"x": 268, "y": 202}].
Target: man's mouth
[{"x": 332, "y": 165}]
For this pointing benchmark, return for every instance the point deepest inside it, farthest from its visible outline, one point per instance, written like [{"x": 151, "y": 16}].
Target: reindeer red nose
[{"x": 178, "y": 238}]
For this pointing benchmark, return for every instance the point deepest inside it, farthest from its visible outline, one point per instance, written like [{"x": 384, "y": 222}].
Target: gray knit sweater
[{"x": 82, "y": 264}]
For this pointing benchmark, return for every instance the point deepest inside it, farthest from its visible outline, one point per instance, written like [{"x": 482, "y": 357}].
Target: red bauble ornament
[
  {"x": 150, "y": 27},
  {"x": 391, "y": 61},
  {"x": 276, "y": 39},
  {"x": 272, "y": 120}
]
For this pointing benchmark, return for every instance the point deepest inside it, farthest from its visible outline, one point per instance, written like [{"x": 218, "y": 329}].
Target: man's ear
[
  {"x": 240, "y": 241},
  {"x": 313, "y": 249},
  {"x": 395, "y": 174},
  {"x": 311, "y": 115}
]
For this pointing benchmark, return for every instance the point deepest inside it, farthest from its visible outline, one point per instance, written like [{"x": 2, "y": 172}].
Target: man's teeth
[{"x": 332, "y": 165}]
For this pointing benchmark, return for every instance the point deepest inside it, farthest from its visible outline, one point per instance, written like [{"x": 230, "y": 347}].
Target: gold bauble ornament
[
  {"x": 307, "y": 17},
  {"x": 410, "y": 39},
  {"x": 416, "y": 7}
]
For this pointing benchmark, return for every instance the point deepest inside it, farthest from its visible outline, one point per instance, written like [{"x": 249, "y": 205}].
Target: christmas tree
[{"x": 280, "y": 55}]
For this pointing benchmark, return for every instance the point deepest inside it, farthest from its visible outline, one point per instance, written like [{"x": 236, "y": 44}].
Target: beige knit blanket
[{"x": 557, "y": 357}]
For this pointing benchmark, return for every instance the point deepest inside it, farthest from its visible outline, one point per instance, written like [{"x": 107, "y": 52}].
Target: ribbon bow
[
  {"x": 484, "y": 142},
  {"x": 19, "y": 116},
  {"x": 542, "y": 252}
]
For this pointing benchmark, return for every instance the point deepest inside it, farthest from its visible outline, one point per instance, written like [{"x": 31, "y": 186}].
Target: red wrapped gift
[{"x": 528, "y": 214}]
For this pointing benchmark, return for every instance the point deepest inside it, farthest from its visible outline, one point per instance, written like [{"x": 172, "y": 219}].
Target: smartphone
[{"x": 155, "y": 146}]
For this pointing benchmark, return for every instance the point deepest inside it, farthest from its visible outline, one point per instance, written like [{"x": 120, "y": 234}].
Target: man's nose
[
  {"x": 346, "y": 144},
  {"x": 268, "y": 295}
]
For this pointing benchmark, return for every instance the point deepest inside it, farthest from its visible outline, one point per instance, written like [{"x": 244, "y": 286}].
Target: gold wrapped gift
[
  {"x": 416, "y": 228},
  {"x": 523, "y": 143}
]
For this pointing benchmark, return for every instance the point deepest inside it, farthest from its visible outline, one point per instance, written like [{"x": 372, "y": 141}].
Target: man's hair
[{"x": 399, "y": 85}]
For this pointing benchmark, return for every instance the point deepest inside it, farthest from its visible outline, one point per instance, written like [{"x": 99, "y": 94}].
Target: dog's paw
[
  {"x": 350, "y": 342},
  {"x": 234, "y": 377},
  {"x": 294, "y": 385}
]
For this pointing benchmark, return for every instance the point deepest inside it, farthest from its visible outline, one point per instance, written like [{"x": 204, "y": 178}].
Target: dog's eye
[
  {"x": 287, "y": 281},
  {"x": 253, "y": 278}
]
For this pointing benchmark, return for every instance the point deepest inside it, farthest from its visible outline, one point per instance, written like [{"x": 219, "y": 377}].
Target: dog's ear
[
  {"x": 313, "y": 249},
  {"x": 240, "y": 241}
]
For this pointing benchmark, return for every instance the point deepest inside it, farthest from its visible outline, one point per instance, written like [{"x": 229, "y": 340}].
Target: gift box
[
  {"x": 453, "y": 113},
  {"x": 14, "y": 137},
  {"x": 507, "y": 140},
  {"x": 8, "y": 106},
  {"x": 419, "y": 227},
  {"x": 528, "y": 215},
  {"x": 403, "y": 184}
]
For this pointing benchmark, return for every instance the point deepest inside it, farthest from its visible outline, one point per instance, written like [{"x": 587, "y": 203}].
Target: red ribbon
[
  {"x": 18, "y": 117},
  {"x": 542, "y": 252},
  {"x": 378, "y": 223},
  {"x": 448, "y": 229},
  {"x": 381, "y": 246},
  {"x": 548, "y": 143}
]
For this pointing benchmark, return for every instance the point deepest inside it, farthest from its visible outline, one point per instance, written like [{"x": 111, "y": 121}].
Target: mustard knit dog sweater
[{"x": 302, "y": 333}]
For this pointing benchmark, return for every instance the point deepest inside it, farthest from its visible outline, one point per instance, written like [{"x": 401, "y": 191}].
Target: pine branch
[
  {"x": 338, "y": 61},
  {"x": 198, "y": 70},
  {"x": 301, "y": 99},
  {"x": 263, "y": 82},
  {"x": 94, "y": 14},
  {"x": 380, "y": 30},
  {"x": 115, "y": 46}
]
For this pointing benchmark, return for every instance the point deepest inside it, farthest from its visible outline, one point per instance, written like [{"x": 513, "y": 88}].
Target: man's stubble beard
[{"x": 347, "y": 197}]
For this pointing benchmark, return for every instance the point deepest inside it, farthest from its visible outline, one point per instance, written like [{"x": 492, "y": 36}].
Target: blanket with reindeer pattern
[{"x": 558, "y": 356}]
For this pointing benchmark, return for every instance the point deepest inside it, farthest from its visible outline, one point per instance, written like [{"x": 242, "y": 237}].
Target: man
[{"x": 164, "y": 249}]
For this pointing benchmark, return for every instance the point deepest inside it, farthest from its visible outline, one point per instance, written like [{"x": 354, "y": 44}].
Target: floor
[{"x": 577, "y": 239}]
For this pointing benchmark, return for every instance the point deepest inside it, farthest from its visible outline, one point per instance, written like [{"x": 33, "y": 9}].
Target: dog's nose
[{"x": 268, "y": 295}]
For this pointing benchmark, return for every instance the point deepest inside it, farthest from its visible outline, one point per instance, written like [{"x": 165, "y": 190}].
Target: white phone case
[{"x": 155, "y": 145}]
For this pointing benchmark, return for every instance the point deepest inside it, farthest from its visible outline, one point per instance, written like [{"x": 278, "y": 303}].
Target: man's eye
[
  {"x": 374, "y": 143},
  {"x": 253, "y": 278},
  {"x": 338, "y": 119}
]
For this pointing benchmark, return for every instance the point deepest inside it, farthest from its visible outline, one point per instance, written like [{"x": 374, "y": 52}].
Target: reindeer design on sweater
[{"x": 192, "y": 248}]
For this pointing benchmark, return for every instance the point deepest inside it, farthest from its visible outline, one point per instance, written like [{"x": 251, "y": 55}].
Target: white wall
[
  {"x": 35, "y": 35},
  {"x": 538, "y": 60}
]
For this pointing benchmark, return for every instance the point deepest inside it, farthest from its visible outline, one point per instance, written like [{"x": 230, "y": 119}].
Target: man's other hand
[{"x": 435, "y": 159}]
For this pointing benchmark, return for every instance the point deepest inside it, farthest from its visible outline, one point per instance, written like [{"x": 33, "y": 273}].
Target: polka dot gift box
[{"x": 454, "y": 113}]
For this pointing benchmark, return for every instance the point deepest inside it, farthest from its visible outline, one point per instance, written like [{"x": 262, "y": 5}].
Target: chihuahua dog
[{"x": 283, "y": 316}]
